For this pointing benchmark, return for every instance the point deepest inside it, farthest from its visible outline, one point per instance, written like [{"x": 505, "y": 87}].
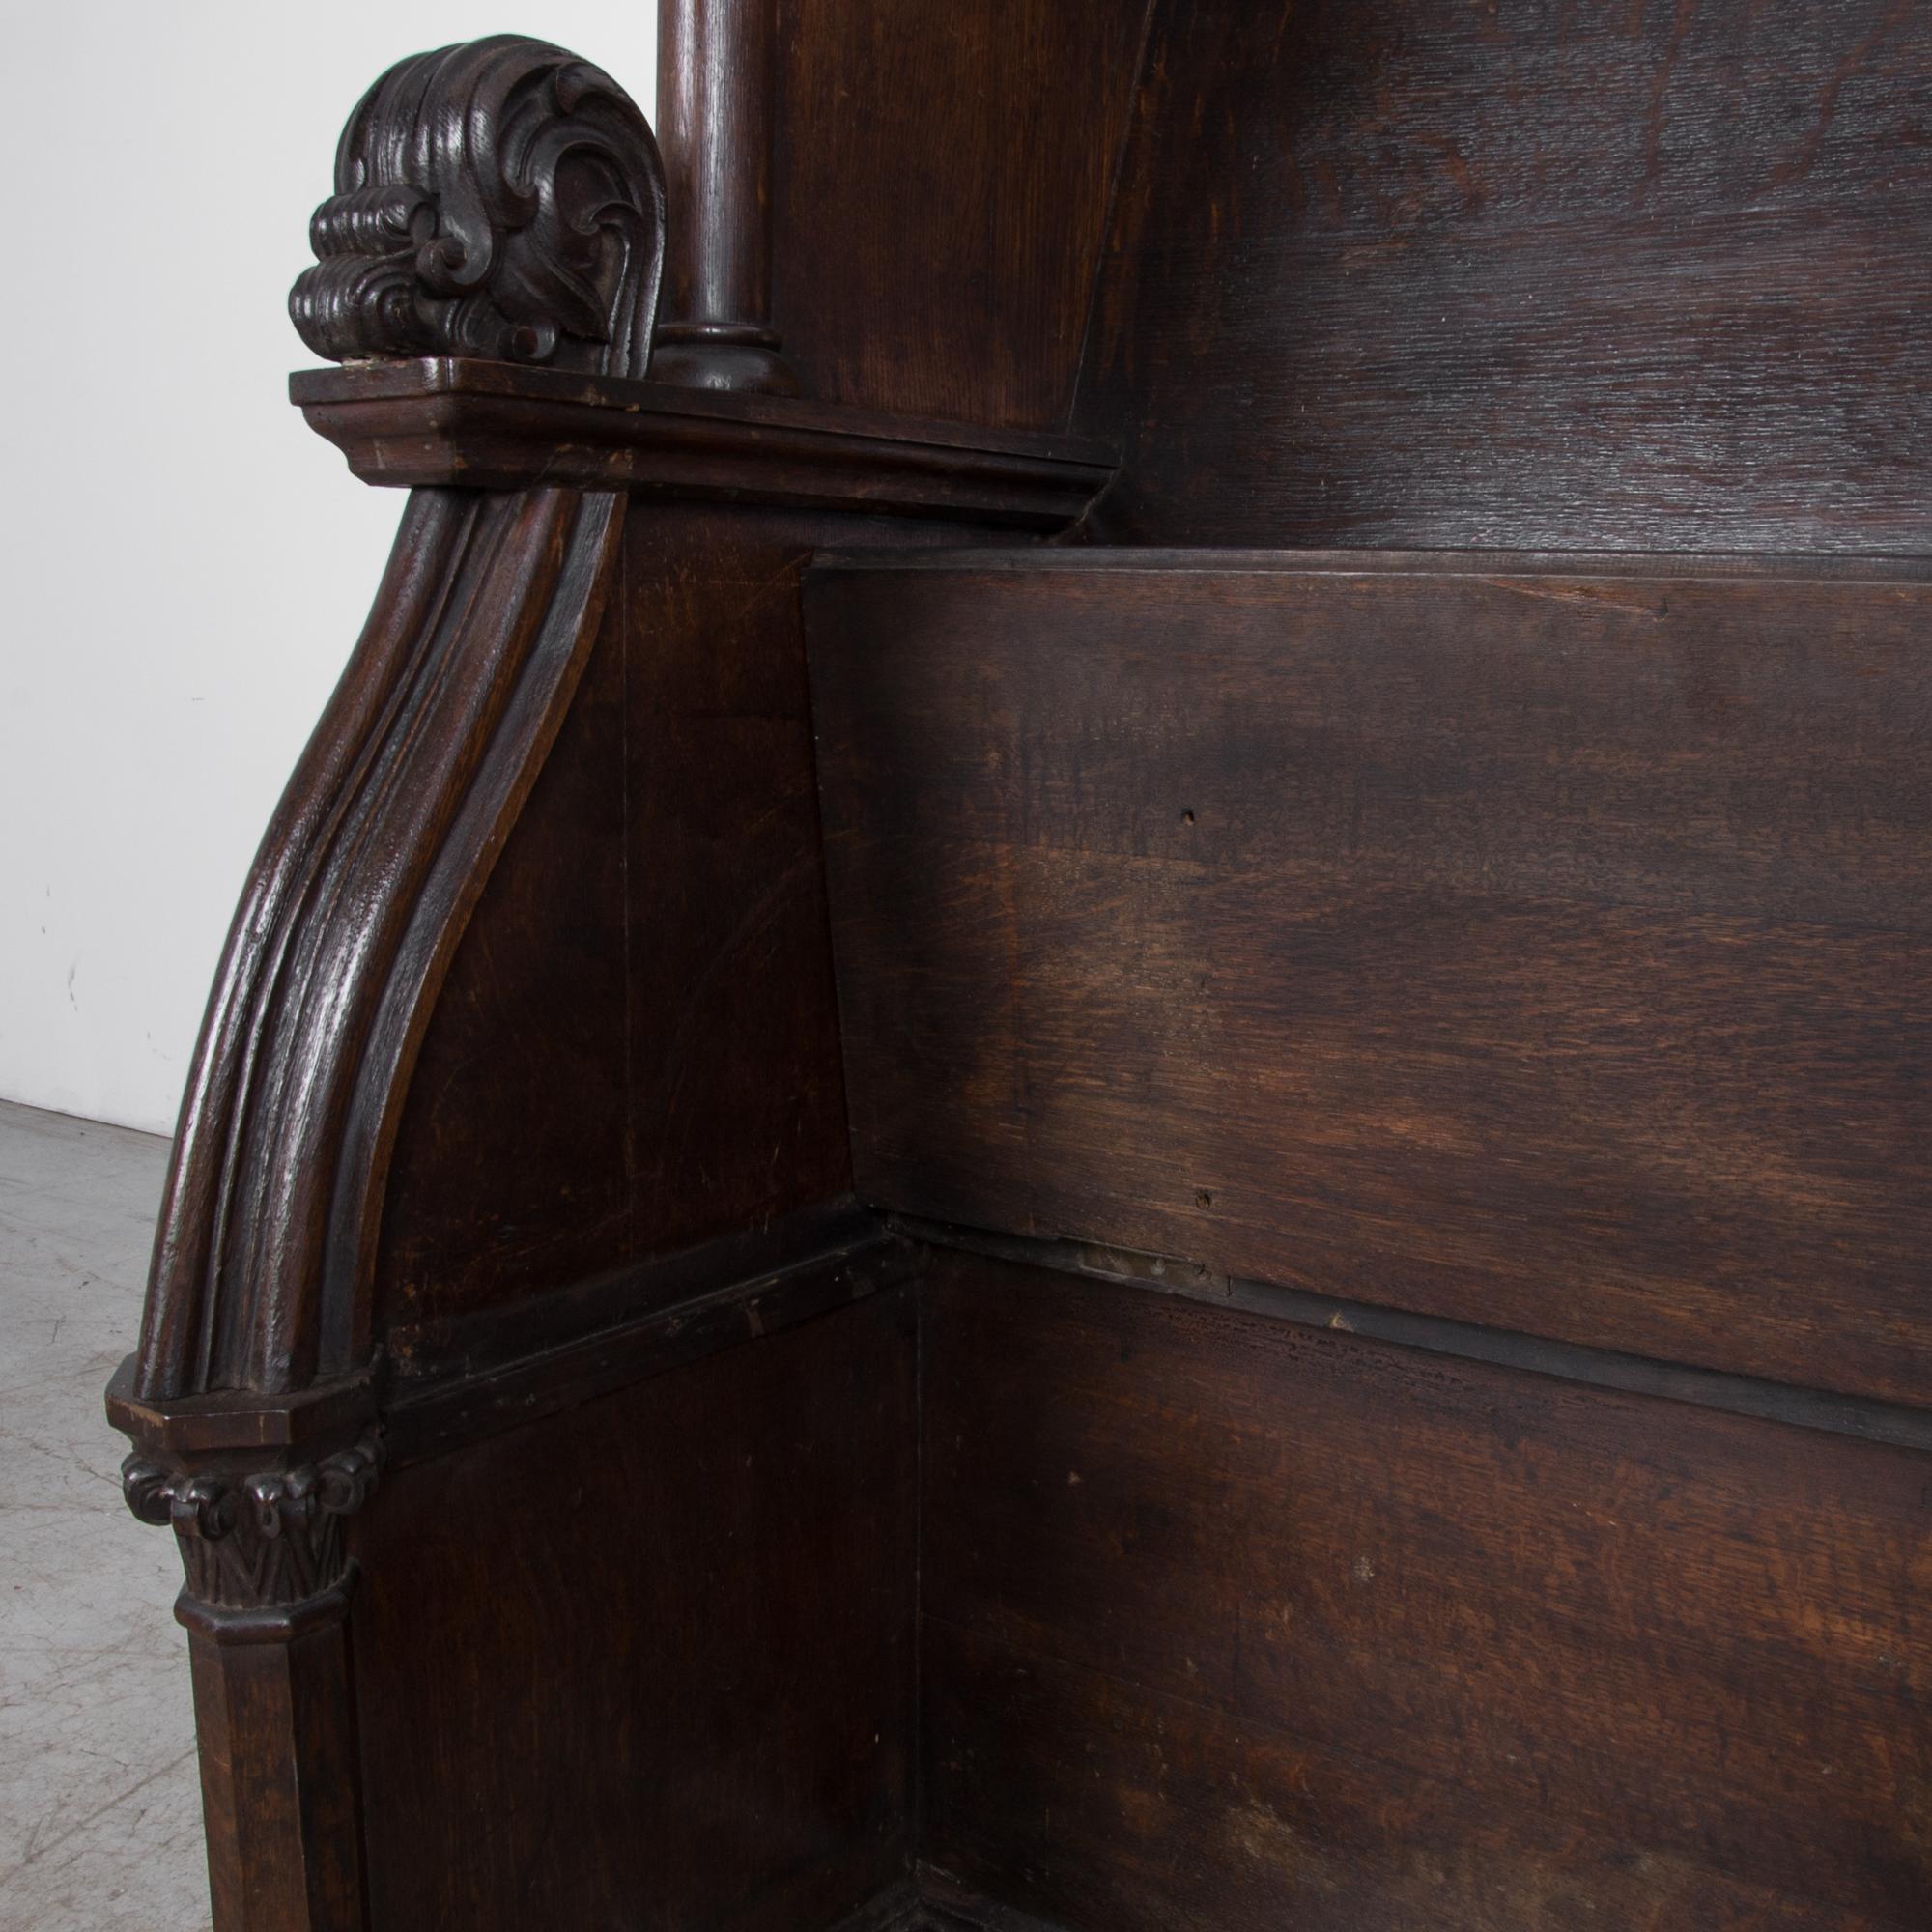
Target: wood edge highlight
[
  {"x": 479, "y": 425},
  {"x": 451, "y": 1407},
  {"x": 450, "y": 377},
  {"x": 1863, "y": 1418},
  {"x": 1842, "y": 568}
]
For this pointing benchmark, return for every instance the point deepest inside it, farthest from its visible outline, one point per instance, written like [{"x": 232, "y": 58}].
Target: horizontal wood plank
[
  {"x": 495, "y": 426},
  {"x": 1539, "y": 947}
]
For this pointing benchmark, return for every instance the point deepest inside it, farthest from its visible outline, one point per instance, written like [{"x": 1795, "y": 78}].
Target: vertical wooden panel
[
  {"x": 737, "y": 1107},
  {"x": 637, "y": 1047},
  {"x": 478, "y": 1204},
  {"x": 274, "y": 1718},
  {"x": 941, "y": 194},
  {"x": 649, "y": 1662}
]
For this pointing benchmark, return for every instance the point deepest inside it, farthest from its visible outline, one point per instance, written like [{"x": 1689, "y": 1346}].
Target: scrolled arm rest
[{"x": 500, "y": 199}]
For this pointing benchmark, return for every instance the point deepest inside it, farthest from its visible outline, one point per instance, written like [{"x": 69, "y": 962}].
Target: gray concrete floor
[{"x": 99, "y": 1799}]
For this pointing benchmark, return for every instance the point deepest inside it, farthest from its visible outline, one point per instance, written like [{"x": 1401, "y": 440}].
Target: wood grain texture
[
  {"x": 637, "y": 1047},
  {"x": 1541, "y": 950},
  {"x": 278, "y": 1783},
  {"x": 361, "y": 888},
  {"x": 1864, "y": 1419},
  {"x": 640, "y": 1323},
  {"x": 717, "y": 74},
  {"x": 1526, "y": 956},
  {"x": 1573, "y": 276},
  {"x": 1232, "y": 1624},
  {"x": 941, "y": 196},
  {"x": 649, "y": 1662}
]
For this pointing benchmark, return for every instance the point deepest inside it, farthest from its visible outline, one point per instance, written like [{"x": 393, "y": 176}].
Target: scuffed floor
[{"x": 100, "y": 1799}]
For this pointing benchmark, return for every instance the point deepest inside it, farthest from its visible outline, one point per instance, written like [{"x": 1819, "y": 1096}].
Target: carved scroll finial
[{"x": 499, "y": 199}]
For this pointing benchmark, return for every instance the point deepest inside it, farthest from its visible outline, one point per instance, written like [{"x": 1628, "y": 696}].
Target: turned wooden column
[{"x": 717, "y": 78}]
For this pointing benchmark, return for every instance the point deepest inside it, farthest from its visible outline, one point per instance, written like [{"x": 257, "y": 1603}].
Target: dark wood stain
[
  {"x": 1543, "y": 951},
  {"x": 1450, "y": 1009},
  {"x": 281, "y": 1803},
  {"x": 1232, "y": 1622},
  {"x": 1860, "y": 1417},
  {"x": 506, "y": 1367},
  {"x": 440, "y": 421},
  {"x": 638, "y": 1048},
  {"x": 975, "y": 299},
  {"x": 1585, "y": 276},
  {"x": 648, "y": 1662}
]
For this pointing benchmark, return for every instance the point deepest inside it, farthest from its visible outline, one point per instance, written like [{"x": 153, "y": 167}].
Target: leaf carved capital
[{"x": 268, "y": 1540}]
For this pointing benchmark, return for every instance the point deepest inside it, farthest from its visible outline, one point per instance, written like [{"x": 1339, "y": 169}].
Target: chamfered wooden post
[
  {"x": 717, "y": 83},
  {"x": 264, "y": 1605}
]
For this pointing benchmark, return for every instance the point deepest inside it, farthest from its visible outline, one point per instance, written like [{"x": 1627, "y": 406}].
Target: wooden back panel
[
  {"x": 1232, "y": 1624},
  {"x": 1541, "y": 946},
  {"x": 1564, "y": 273},
  {"x": 939, "y": 197}
]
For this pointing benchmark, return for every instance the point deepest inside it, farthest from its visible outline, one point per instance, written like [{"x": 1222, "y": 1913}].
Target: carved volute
[{"x": 501, "y": 199}]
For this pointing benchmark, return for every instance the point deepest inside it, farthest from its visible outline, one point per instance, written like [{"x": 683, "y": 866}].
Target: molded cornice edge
[{"x": 438, "y": 420}]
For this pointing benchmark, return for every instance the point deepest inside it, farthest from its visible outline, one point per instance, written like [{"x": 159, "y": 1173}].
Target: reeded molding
[{"x": 364, "y": 884}]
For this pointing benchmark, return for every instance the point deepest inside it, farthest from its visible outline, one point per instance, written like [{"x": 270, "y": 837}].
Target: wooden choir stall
[{"x": 1087, "y": 1080}]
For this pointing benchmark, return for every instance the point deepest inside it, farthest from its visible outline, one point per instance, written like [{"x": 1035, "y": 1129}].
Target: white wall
[{"x": 186, "y": 566}]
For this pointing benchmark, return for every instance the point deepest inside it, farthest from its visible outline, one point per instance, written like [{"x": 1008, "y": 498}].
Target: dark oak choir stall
[{"x": 917, "y": 1196}]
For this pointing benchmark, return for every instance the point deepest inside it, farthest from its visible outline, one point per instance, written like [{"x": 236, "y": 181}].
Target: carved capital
[
  {"x": 269, "y": 1540},
  {"x": 500, "y": 199}
]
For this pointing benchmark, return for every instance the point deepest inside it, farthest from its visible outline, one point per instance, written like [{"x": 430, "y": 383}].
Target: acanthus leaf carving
[
  {"x": 500, "y": 199},
  {"x": 266, "y": 1540}
]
